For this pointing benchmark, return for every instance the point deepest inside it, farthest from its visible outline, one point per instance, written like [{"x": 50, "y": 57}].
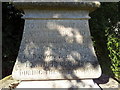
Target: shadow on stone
[
  {"x": 102, "y": 79},
  {"x": 57, "y": 48}
]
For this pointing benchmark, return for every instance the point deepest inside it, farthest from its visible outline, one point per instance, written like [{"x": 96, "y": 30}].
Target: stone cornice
[{"x": 91, "y": 6}]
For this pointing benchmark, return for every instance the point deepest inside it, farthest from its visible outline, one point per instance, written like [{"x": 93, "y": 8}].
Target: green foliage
[
  {"x": 105, "y": 31},
  {"x": 114, "y": 49}
]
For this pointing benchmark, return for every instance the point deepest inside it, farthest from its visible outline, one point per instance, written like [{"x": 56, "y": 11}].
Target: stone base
[{"x": 59, "y": 84}]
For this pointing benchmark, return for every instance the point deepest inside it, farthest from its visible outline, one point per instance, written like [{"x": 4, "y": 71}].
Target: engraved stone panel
[{"x": 56, "y": 49}]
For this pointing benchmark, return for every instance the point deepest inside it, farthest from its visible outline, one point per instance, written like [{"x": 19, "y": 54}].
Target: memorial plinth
[{"x": 56, "y": 42}]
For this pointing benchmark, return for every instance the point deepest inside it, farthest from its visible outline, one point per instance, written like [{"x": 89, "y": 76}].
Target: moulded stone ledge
[{"x": 82, "y": 5}]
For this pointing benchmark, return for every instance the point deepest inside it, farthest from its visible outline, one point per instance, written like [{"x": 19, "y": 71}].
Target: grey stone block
[{"x": 56, "y": 44}]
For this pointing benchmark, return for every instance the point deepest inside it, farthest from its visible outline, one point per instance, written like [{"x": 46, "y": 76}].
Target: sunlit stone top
[{"x": 58, "y": 5}]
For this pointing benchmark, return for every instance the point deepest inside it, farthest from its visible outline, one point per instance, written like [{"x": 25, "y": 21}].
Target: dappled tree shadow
[
  {"x": 70, "y": 50},
  {"x": 57, "y": 50},
  {"x": 13, "y": 34}
]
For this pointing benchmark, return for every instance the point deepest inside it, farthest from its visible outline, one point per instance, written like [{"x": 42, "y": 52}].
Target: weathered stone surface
[
  {"x": 76, "y": 5},
  {"x": 56, "y": 45},
  {"x": 104, "y": 82},
  {"x": 66, "y": 84}
]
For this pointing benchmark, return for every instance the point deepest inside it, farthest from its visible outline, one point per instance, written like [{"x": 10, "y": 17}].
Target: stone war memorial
[{"x": 56, "y": 50}]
